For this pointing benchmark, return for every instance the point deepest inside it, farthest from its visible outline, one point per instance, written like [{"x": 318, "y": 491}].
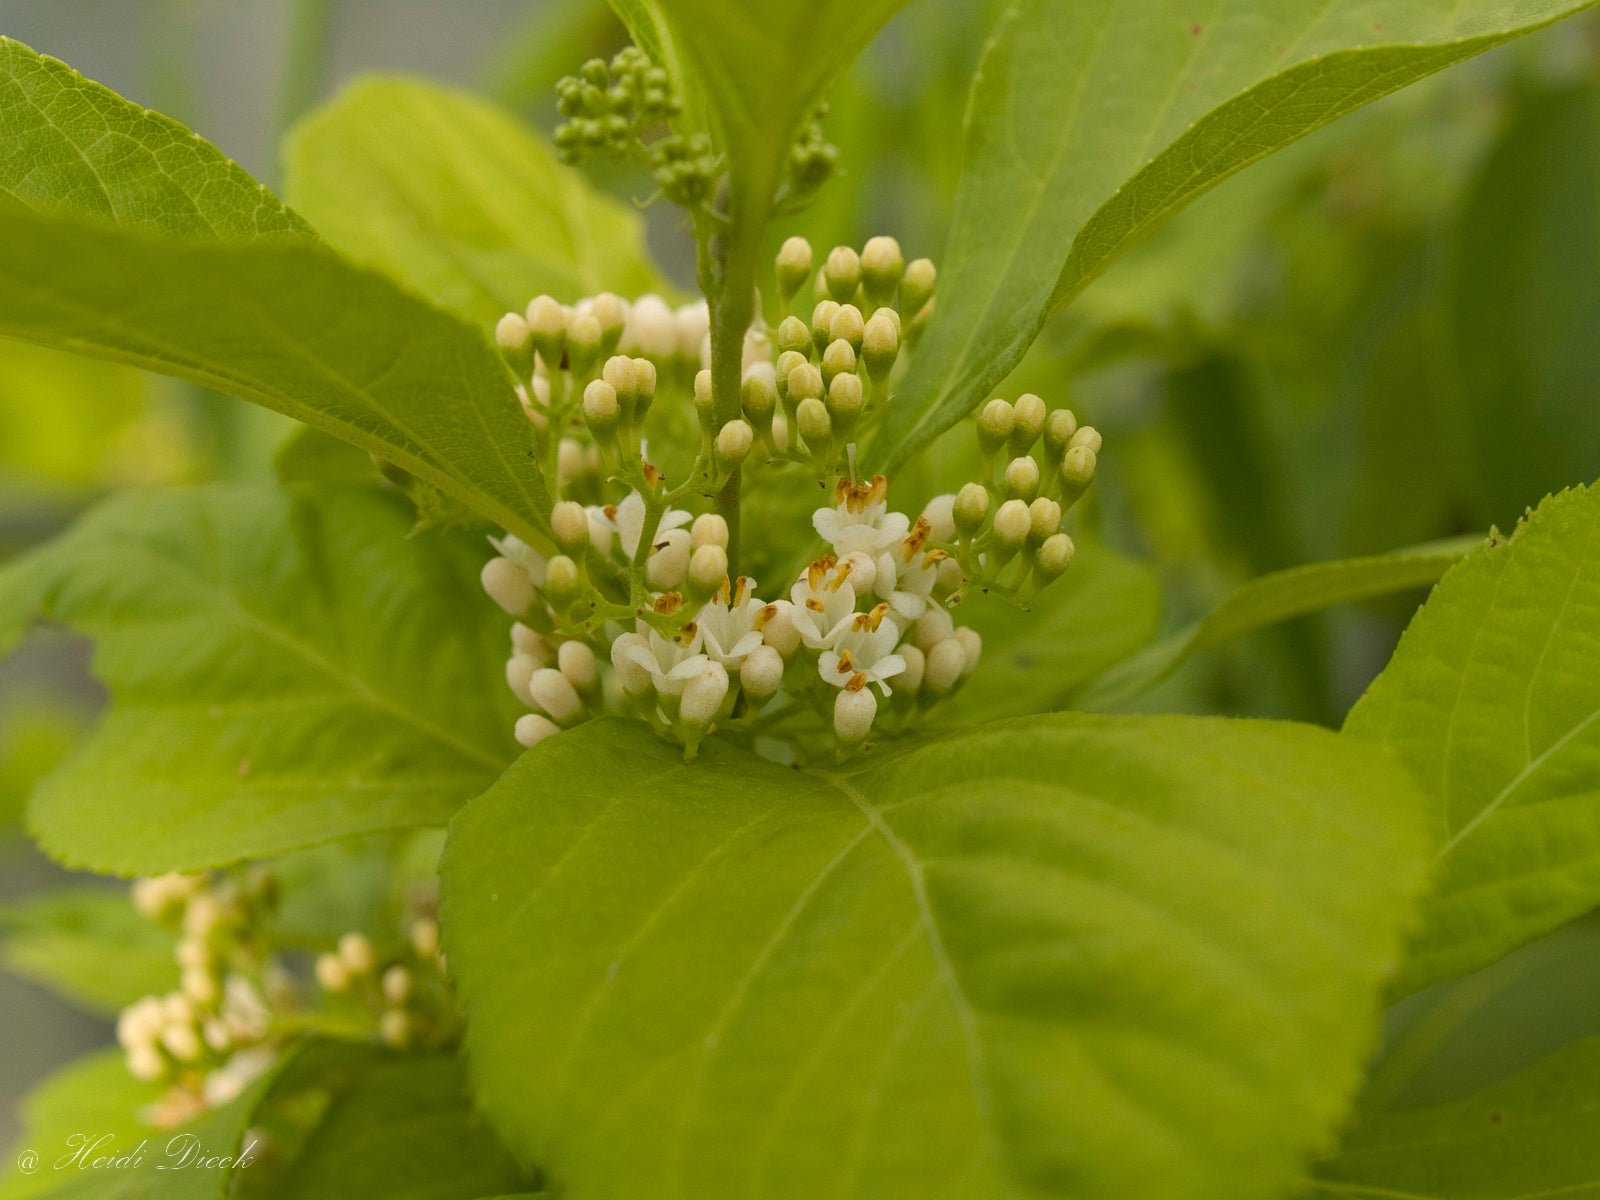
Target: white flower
[
  {"x": 670, "y": 662},
  {"x": 627, "y": 520},
  {"x": 824, "y": 602},
  {"x": 729, "y": 628},
  {"x": 907, "y": 574},
  {"x": 524, "y": 555},
  {"x": 864, "y": 653},
  {"x": 860, "y": 520}
]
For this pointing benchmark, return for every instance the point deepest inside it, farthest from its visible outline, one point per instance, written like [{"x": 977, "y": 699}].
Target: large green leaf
[
  {"x": 92, "y": 946},
  {"x": 286, "y": 668},
  {"x": 1493, "y": 701},
  {"x": 290, "y": 327},
  {"x": 1092, "y": 120},
  {"x": 1061, "y": 956},
  {"x": 1523, "y": 302},
  {"x": 1532, "y": 1135},
  {"x": 458, "y": 200},
  {"x": 1103, "y": 610},
  {"x": 1269, "y": 599},
  {"x": 69, "y": 145}
]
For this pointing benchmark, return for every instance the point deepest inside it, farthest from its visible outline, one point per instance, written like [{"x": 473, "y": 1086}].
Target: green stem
[{"x": 728, "y": 265}]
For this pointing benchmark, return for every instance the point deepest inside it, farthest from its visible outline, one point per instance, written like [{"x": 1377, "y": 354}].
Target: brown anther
[
  {"x": 876, "y": 616},
  {"x": 914, "y": 541},
  {"x": 668, "y": 603},
  {"x": 818, "y": 571},
  {"x": 652, "y": 476},
  {"x": 847, "y": 664},
  {"x": 765, "y": 615},
  {"x": 686, "y": 634},
  {"x": 856, "y": 682}
]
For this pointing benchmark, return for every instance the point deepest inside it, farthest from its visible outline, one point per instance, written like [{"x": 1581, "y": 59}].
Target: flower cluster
[
  {"x": 637, "y": 607},
  {"x": 239, "y": 1002}
]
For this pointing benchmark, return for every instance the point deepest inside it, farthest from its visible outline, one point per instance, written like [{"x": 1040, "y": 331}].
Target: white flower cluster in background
[{"x": 636, "y": 606}]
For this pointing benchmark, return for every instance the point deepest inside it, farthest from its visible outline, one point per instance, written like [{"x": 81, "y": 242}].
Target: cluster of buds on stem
[
  {"x": 401, "y": 990},
  {"x": 636, "y": 606}
]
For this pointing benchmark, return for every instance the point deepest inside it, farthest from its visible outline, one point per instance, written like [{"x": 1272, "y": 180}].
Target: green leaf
[
  {"x": 74, "y": 147},
  {"x": 1522, "y": 303},
  {"x": 92, "y": 946},
  {"x": 1064, "y": 956},
  {"x": 459, "y": 201},
  {"x": 292, "y": 328},
  {"x": 1528, "y": 1136},
  {"x": 1279, "y": 596},
  {"x": 1104, "y": 609},
  {"x": 287, "y": 668},
  {"x": 1090, "y": 122},
  {"x": 403, "y": 1129},
  {"x": 1493, "y": 702}
]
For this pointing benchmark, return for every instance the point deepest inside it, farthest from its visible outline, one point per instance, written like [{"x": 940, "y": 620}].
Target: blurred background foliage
[{"x": 1382, "y": 336}]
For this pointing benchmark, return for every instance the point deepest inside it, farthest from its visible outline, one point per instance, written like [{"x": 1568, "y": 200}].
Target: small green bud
[
  {"x": 623, "y": 376},
  {"x": 1044, "y": 516},
  {"x": 1087, "y": 436},
  {"x": 1029, "y": 412},
  {"x": 601, "y": 410},
  {"x": 595, "y": 73},
  {"x": 547, "y": 325},
  {"x": 758, "y": 396},
  {"x": 1053, "y": 558},
  {"x": 570, "y": 526},
  {"x": 705, "y": 403},
  {"x": 916, "y": 287},
  {"x": 971, "y": 507},
  {"x": 583, "y": 344},
  {"x": 841, "y": 274},
  {"x": 1021, "y": 478},
  {"x": 1011, "y": 525},
  {"x": 787, "y": 362},
  {"x": 1077, "y": 472},
  {"x": 612, "y": 314},
  {"x": 709, "y": 529},
  {"x": 816, "y": 427},
  {"x": 805, "y": 383},
  {"x": 822, "y": 323},
  {"x": 793, "y": 266},
  {"x": 844, "y": 401},
  {"x": 645, "y": 375},
  {"x": 562, "y": 582},
  {"x": 880, "y": 344},
  {"x": 794, "y": 334},
  {"x": 515, "y": 340},
  {"x": 733, "y": 443},
  {"x": 847, "y": 326},
  {"x": 838, "y": 359},
  {"x": 882, "y": 265},
  {"x": 1058, "y": 430},
  {"x": 995, "y": 423}
]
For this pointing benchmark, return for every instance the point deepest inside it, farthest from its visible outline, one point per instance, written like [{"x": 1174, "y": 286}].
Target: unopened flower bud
[
  {"x": 200, "y": 985},
  {"x": 332, "y": 975},
  {"x": 532, "y": 728},
  {"x": 761, "y": 673},
  {"x": 705, "y": 404},
  {"x": 645, "y": 375},
  {"x": 703, "y": 694},
  {"x": 146, "y": 1064},
  {"x": 708, "y": 569},
  {"x": 601, "y": 410},
  {"x": 515, "y": 339},
  {"x": 570, "y": 462},
  {"x": 758, "y": 397},
  {"x": 508, "y": 585},
  {"x": 940, "y": 515},
  {"x": 547, "y": 326},
  {"x": 848, "y": 326},
  {"x": 562, "y": 581},
  {"x": 971, "y": 643},
  {"x": 397, "y": 985},
  {"x": 880, "y": 344},
  {"x": 622, "y": 374},
  {"x": 585, "y": 339},
  {"x": 815, "y": 425},
  {"x": 709, "y": 529},
  {"x": 916, "y": 287},
  {"x": 1029, "y": 417},
  {"x": 995, "y": 423},
  {"x": 636, "y": 680},
  {"x": 394, "y": 1027},
  {"x": 355, "y": 952},
  {"x": 838, "y": 359},
  {"x": 853, "y": 714},
  {"x": 793, "y": 266},
  {"x": 1054, "y": 557},
  {"x": 909, "y": 681},
  {"x": 556, "y": 697},
  {"x": 611, "y": 312},
  {"x": 805, "y": 383},
  {"x": 1011, "y": 524},
  {"x": 652, "y": 329},
  {"x": 778, "y": 628},
  {"x": 531, "y": 642},
  {"x": 576, "y": 661},
  {"x": 822, "y": 323},
  {"x": 1021, "y": 478},
  {"x": 569, "y": 524},
  {"x": 882, "y": 265},
  {"x": 794, "y": 334},
  {"x": 1077, "y": 471},
  {"x": 970, "y": 508},
  {"x": 1044, "y": 518},
  {"x": 932, "y": 628},
  {"x": 947, "y": 662},
  {"x": 1059, "y": 427},
  {"x": 669, "y": 561},
  {"x": 733, "y": 443},
  {"x": 844, "y": 402},
  {"x": 1088, "y": 436},
  {"x": 425, "y": 938},
  {"x": 694, "y": 326},
  {"x": 182, "y": 1042},
  {"x": 841, "y": 274},
  {"x": 863, "y": 570}
]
